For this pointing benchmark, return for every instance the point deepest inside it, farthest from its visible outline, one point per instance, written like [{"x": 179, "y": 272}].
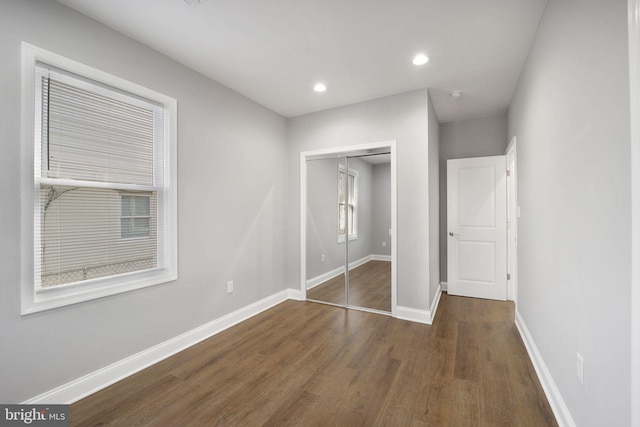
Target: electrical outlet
[
  {"x": 230, "y": 286},
  {"x": 384, "y": 244},
  {"x": 322, "y": 258},
  {"x": 580, "y": 368}
]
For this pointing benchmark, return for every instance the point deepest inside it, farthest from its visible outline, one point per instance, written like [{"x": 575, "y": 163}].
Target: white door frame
[
  {"x": 634, "y": 88},
  {"x": 338, "y": 151},
  {"x": 513, "y": 213}
]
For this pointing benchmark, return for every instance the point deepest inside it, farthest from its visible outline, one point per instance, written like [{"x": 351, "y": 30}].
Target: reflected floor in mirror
[{"x": 369, "y": 287}]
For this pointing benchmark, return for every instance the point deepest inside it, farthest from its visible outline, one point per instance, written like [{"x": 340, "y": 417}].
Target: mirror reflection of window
[{"x": 347, "y": 206}]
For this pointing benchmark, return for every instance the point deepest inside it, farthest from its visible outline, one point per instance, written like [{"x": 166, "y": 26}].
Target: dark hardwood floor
[
  {"x": 369, "y": 287},
  {"x": 308, "y": 364}
]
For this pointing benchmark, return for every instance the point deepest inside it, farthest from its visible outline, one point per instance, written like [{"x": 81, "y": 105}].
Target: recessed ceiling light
[
  {"x": 455, "y": 94},
  {"x": 420, "y": 59},
  {"x": 320, "y": 87}
]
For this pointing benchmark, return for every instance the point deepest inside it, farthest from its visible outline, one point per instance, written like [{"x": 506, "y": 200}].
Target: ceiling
[{"x": 273, "y": 52}]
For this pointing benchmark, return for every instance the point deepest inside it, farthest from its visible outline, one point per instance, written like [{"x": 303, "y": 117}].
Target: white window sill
[{"x": 72, "y": 293}]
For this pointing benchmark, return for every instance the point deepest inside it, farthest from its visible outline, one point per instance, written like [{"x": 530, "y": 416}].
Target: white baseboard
[
  {"x": 420, "y": 316},
  {"x": 357, "y": 263},
  {"x": 559, "y": 408},
  {"x": 444, "y": 286},
  {"x": 381, "y": 258},
  {"x": 95, "y": 381},
  {"x": 295, "y": 294},
  {"x": 315, "y": 281},
  {"x": 435, "y": 303}
]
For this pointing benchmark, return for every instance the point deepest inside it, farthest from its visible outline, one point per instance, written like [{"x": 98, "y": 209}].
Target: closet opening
[{"x": 348, "y": 223}]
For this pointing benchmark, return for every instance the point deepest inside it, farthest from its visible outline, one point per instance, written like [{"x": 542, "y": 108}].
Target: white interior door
[{"x": 477, "y": 227}]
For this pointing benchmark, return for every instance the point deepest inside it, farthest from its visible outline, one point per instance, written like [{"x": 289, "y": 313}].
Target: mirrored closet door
[
  {"x": 325, "y": 253},
  {"x": 348, "y": 222},
  {"x": 369, "y": 224}
]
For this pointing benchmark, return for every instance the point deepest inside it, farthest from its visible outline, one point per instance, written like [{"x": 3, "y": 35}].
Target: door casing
[{"x": 513, "y": 213}]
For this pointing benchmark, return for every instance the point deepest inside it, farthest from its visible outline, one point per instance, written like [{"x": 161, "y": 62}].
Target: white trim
[
  {"x": 303, "y": 225},
  {"x": 634, "y": 88},
  {"x": 315, "y": 281},
  {"x": 435, "y": 303},
  {"x": 309, "y": 155},
  {"x": 97, "y": 380},
  {"x": 420, "y": 316},
  {"x": 34, "y": 299},
  {"x": 348, "y": 149},
  {"x": 559, "y": 408},
  {"x": 512, "y": 142},
  {"x": 380, "y": 258},
  {"x": 295, "y": 294},
  {"x": 512, "y": 215},
  {"x": 393, "y": 233},
  {"x": 414, "y": 315},
  {"x": 444, "y": 286},
  {"x": 353, "y": 234},
  {"x": 96, "y": 184},
  {"x": 357, "y": 263}
]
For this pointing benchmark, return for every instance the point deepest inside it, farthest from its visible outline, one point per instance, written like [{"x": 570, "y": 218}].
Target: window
[
  {"x": 347, "y": 203},
  {"x": 135, "y": 216},
  {"x": 104, "y": 174}
]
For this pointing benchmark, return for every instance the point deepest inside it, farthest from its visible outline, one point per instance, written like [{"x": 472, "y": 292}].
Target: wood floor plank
[
  {"x": 465, "y": 403},
  {"x": 310, "y": 364},
  {"x": 468, "y": 351},
  {"x": 497, "y": 402}
]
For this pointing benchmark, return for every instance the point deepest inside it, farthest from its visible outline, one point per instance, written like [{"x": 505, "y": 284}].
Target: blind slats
[
  {"x": 111, "y": 146},
  {"x": 96, "y": 138}
]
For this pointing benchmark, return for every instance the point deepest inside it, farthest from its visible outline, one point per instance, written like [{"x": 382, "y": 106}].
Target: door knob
[{"x": 453, "y": 234}]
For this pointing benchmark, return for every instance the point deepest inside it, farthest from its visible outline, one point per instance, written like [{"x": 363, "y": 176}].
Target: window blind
[{"x": 100, "y": 208}]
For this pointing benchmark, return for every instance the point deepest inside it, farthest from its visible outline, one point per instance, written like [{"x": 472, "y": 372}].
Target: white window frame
[
  {"x": 353, "y": 234},
  {"x": 35, "y": 299},
  {"x": 634, "y": 86}
]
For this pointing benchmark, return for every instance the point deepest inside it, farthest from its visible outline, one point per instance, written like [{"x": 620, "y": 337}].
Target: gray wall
[
  {"x": 232, "y": 161},
  {"x": 434, "y": 204},
  {"x": 322, "y": 215},
  {"x": 570, "y": 115},
  {"x": 468, "y": 138},
  {"x": 403, "y": 118},
  {"x": 381, "y": 212}
]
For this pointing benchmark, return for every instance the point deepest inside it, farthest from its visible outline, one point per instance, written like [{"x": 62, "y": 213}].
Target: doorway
[{"x": 348, "y": 216}]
